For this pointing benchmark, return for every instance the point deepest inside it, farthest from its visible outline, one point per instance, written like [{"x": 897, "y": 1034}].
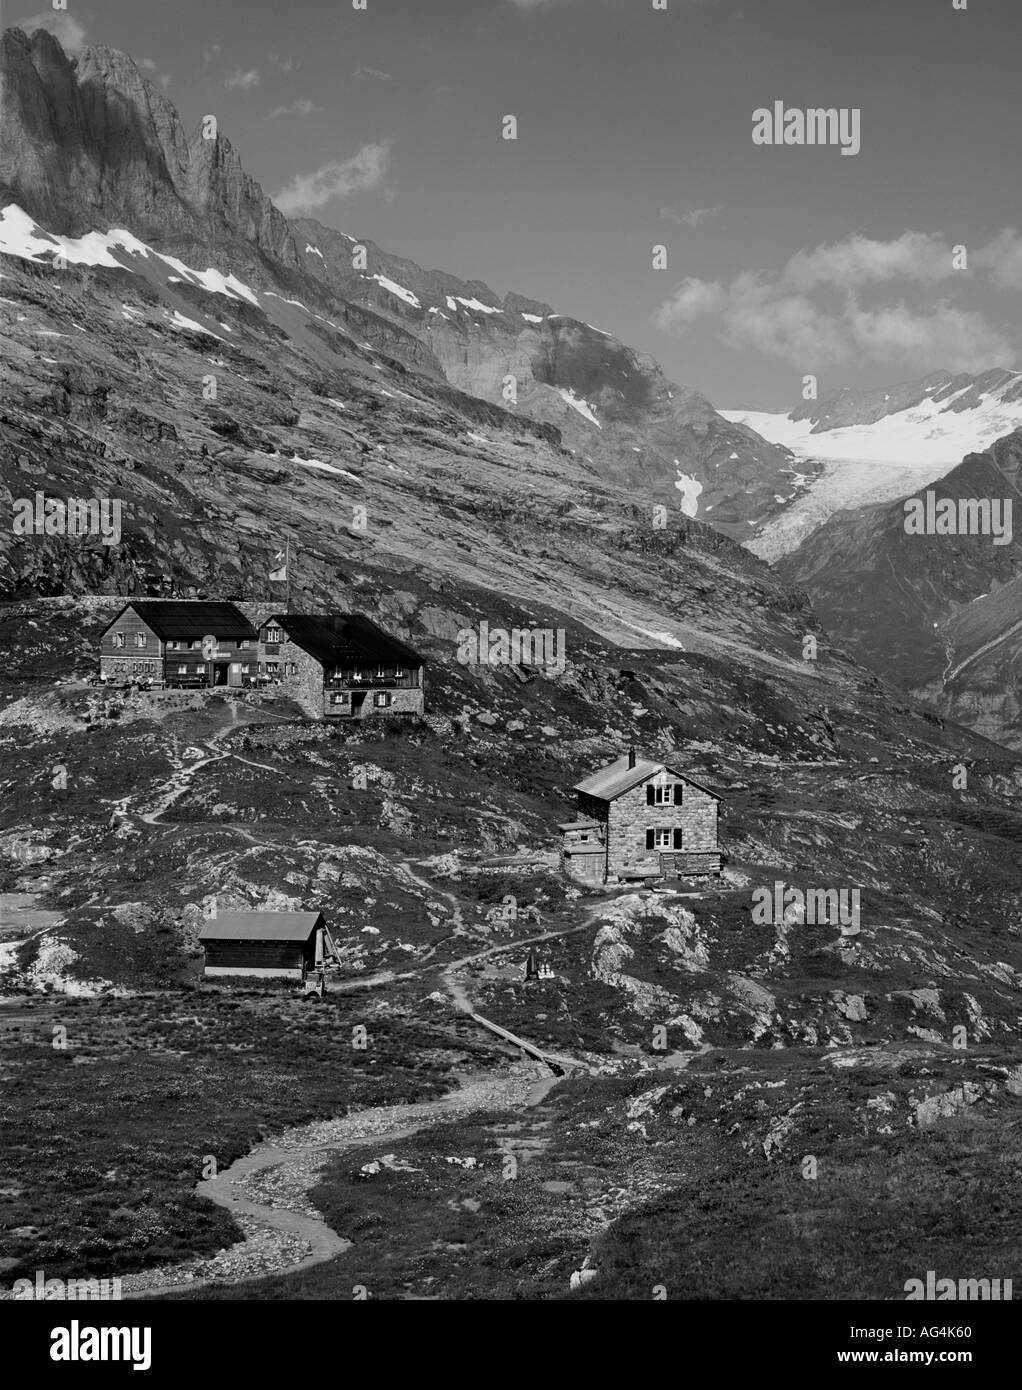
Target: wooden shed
[{"x": 263, "y": 944}]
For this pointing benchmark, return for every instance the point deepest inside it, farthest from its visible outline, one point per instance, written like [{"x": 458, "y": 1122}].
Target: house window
[
  {"x": 196, "y": 645},
  {"x": 182, "y": 670},
  {"x": 356, "y": 675},
  {"x": 140, "y": 639},
  {"x": 292, "y": 668},
  {"x": 118, "y": 639},
  {"x": 381, "y": 671},
  {"x": 273, "y": 634},
  {"x": 381, "y": 699},
  {"x": 664, "y": 837},
  {"x": 339, "y": 697},
  {"x": 243, "y": 643},
  {"x": 399, "y": 671},
  {"x": 659, "y": 837},
  {"x": 584, "y": 837},
  {"x": 669, "y": 795}
]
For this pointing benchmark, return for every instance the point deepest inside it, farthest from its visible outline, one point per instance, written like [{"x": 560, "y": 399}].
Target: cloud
[
  {"x": 859, "y": 260},
  {"x": 68, "y": 31},
  {"x": 811, "y": 312},
  {"x": 243, "y": 80},
  {"x": 1002, "y": 258},
  {"x": 363, "y": 170},
  {"x": 692, "y": 217},
  {"x": 209, "y": 54},
  {"x": 146, "y": 63},
  {"x": 285, "y": 64},
  {"x": 373, "y": 72},
  {"x": 302, "y": 107}
]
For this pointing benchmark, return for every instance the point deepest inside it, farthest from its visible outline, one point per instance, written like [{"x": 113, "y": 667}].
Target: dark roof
[
  {"x": 617, "y": 778},
  {"x": 344, "y": 637},
  {"x": 261, "y": 926},
  {"x": 171, "y": 619}
]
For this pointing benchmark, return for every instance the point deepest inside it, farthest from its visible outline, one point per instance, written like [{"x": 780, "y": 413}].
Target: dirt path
[{"x": 266, "y": 1190}]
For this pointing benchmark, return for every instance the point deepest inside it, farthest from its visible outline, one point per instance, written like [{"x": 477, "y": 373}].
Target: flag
[{"x": 278, "y": 569}]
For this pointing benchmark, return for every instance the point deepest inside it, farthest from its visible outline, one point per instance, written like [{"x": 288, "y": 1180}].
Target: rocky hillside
[{"x": 89, "y": 144}]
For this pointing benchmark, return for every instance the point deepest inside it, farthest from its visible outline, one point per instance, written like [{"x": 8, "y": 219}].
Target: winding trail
[{"x": 299, "y": 1155}]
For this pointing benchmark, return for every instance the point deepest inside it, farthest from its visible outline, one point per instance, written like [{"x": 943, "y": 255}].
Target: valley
[{"x": 511, "y": 1082}]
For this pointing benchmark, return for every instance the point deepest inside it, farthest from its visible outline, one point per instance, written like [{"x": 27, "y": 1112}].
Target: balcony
[{"x": 367, "y": 682}]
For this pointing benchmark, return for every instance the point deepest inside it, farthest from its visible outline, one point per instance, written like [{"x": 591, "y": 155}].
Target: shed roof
[
  {"x": 344, "y": 637},
  {"x": 261, "y": 926},
  {"x": 618, "y": 777},
  {"x": 171, "y": 619},
  {"x": 579, "y": 825}
]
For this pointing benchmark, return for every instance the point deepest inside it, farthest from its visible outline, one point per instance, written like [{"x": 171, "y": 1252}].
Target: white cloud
[
  {"x": 1003, "y": 259},
  {"x": 692, "y": 217},
  {"x": 302, "y": 107},
  {"x": 377, "y": 73},
  {"x": 210, "y": 53},
  {"x": 692, "y": 299},
  {"x": 859, "y": 260},
  {"x": 243, "y": 80},
  {"x": 811, "y": 311},
  {"x": 363, "y": 170},
  {"x": 68, "y": 31}
]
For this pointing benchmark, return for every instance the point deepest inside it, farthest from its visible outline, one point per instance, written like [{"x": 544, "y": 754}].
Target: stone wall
[{"x": 630, "y": 817}]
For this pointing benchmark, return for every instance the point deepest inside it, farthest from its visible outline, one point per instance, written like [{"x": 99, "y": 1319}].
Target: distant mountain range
[{"x": 89, "y": 145}]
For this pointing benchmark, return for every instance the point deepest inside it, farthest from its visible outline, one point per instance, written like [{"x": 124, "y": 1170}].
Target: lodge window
[
  {"x": 399, "y": 672},
  {"x": 173, "y": 646},
  {"x": 663, "y": 796},
  {"x": 273, "y": 634},
  {"x": 118, "y": 639},
  {"x": 356, "y": 675},
  {"x": 382, "y": 699},
  {"x": 339, "y": 697},
  {"x": 380, "y": 672},
  {"x": 243, "y": 643},
  {"x": 292, "y": 668},
  {"x": 140, "y": 639},
  {"x": 196, "y": 645},
  {"x": 583, "y": 837},
  {"x": 663, "y": 837},
  {"x": 182, "y": 670}
]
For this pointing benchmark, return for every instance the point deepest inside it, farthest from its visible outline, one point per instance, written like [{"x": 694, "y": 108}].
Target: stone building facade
[
  {"x": 339, "y": 665},
  {"x": 640, "y": 819}
]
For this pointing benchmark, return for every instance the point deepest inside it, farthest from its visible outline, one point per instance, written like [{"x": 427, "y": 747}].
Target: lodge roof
[
  {"x": 171, "y": 619},
  {"x": 261, "y": 926},
  {"x": 344, "y": 637},
  {"x": 618, "y": 777}
]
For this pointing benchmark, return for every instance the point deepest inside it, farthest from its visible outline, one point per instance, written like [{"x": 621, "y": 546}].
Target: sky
[{"x": 635, "y": 130}]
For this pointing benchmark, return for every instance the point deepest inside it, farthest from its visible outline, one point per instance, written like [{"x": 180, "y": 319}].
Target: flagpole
[{"x": 287, "y": 575}]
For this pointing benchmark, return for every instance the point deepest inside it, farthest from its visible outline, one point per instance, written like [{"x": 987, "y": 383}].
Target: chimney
[{"x": 631, "y": 756}]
